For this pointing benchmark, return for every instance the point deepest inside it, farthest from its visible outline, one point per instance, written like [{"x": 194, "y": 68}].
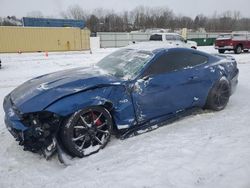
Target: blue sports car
[{"x": 133, "y": 89}]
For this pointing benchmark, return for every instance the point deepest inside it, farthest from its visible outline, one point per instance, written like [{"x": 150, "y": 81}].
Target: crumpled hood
[{"x": 36, "y": 94}]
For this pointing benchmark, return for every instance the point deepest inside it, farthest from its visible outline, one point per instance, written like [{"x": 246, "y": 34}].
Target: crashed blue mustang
[{"x": 132, "y": 90}]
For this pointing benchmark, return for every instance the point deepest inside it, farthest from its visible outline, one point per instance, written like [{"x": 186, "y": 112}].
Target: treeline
[
  {"x": 10, "y": 21},
  {"x": 142, "y": 18}
]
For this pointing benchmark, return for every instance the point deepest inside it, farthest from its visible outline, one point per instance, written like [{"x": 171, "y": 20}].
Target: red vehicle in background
[{"x": 236, "y": 41}]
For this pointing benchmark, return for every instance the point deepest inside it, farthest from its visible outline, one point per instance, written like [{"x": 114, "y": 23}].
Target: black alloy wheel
[
  {"x": 87, "y": 131},
  {"x": 219, "y": 95}
]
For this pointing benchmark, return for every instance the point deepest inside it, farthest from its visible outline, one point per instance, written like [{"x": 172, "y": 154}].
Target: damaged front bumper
[{"x": 32, "y": 133}]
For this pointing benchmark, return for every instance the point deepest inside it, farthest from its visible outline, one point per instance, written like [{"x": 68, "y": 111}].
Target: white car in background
[{"x": 174, "y": 39}]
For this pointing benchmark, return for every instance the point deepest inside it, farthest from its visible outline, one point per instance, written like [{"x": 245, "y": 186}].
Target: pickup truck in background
[
  {"x": 235, "y": 41},
  {"x": 173, "y": 38}
]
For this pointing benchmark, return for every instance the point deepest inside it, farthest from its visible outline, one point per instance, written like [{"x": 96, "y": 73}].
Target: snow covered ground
[{"x": 211, "y": 149}]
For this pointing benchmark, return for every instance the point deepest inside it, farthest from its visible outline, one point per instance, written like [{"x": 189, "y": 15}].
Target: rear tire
[
  {"x": 221, "y": 51},
  {"x": 87, "y": 131},
  {"x": 238, "y": 49},
  {"x": 219, "y": 95}
]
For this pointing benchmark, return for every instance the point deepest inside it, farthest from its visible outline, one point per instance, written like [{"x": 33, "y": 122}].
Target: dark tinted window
[
  {"x": 156, "y": 37},
  {"x": 172, "y": 61}
]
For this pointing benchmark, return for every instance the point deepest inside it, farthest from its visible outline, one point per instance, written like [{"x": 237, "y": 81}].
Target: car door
[{"x": 168, "y": 85}]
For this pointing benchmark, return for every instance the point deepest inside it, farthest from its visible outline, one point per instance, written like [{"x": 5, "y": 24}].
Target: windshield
[
  {"x": 224, "y": 36},
  {"x": 125, "y": 63}
]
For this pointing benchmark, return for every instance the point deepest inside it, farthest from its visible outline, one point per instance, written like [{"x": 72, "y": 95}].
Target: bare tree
[
  {"x": 142, "y": 18},
  {"x": 74, "y": 12}
]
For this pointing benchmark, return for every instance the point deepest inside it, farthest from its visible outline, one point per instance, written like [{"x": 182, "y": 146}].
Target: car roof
[
  {"x": 152, "y": 46},
  {"x": 158, "y": 46}
]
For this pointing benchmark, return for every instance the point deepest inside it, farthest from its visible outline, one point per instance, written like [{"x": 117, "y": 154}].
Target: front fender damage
[
  {"x": 72, "y": 103},
  {"x": 115, "y": 98},
  {"x": 43, "y": 128}
]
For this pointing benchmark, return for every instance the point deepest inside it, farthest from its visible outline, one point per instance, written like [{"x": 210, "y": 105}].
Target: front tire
[
  {"x": 87, "y": 131},
  {"x": 219, "y": 95}
]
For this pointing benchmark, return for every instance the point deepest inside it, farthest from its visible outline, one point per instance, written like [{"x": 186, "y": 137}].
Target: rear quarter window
[{"x": 174, "y": 61}]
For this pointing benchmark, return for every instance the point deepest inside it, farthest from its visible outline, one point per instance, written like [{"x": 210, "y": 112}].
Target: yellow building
[{"x": 36, "y": 39}]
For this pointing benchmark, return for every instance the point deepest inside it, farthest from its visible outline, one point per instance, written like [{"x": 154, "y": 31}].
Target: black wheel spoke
[
  {"x": 82, "y": 145},
  {"x": 101, "y": 131},
  {"x": 78, "y": 138},
  {"x": 218, "y": 100},
  {"x": 98, "y": 140},
  {"x": 80, "y": 127},
  {"x": 98, "y": 118},
  {"x": 101, "y": 126},
  {"x": 85, "y": 122}
]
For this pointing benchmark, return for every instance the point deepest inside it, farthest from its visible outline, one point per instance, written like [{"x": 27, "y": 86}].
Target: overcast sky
[{"x": 184, "y": 7}]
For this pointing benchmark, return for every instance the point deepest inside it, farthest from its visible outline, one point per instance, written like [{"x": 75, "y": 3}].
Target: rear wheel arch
[{"x": 214, "y": 91}]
